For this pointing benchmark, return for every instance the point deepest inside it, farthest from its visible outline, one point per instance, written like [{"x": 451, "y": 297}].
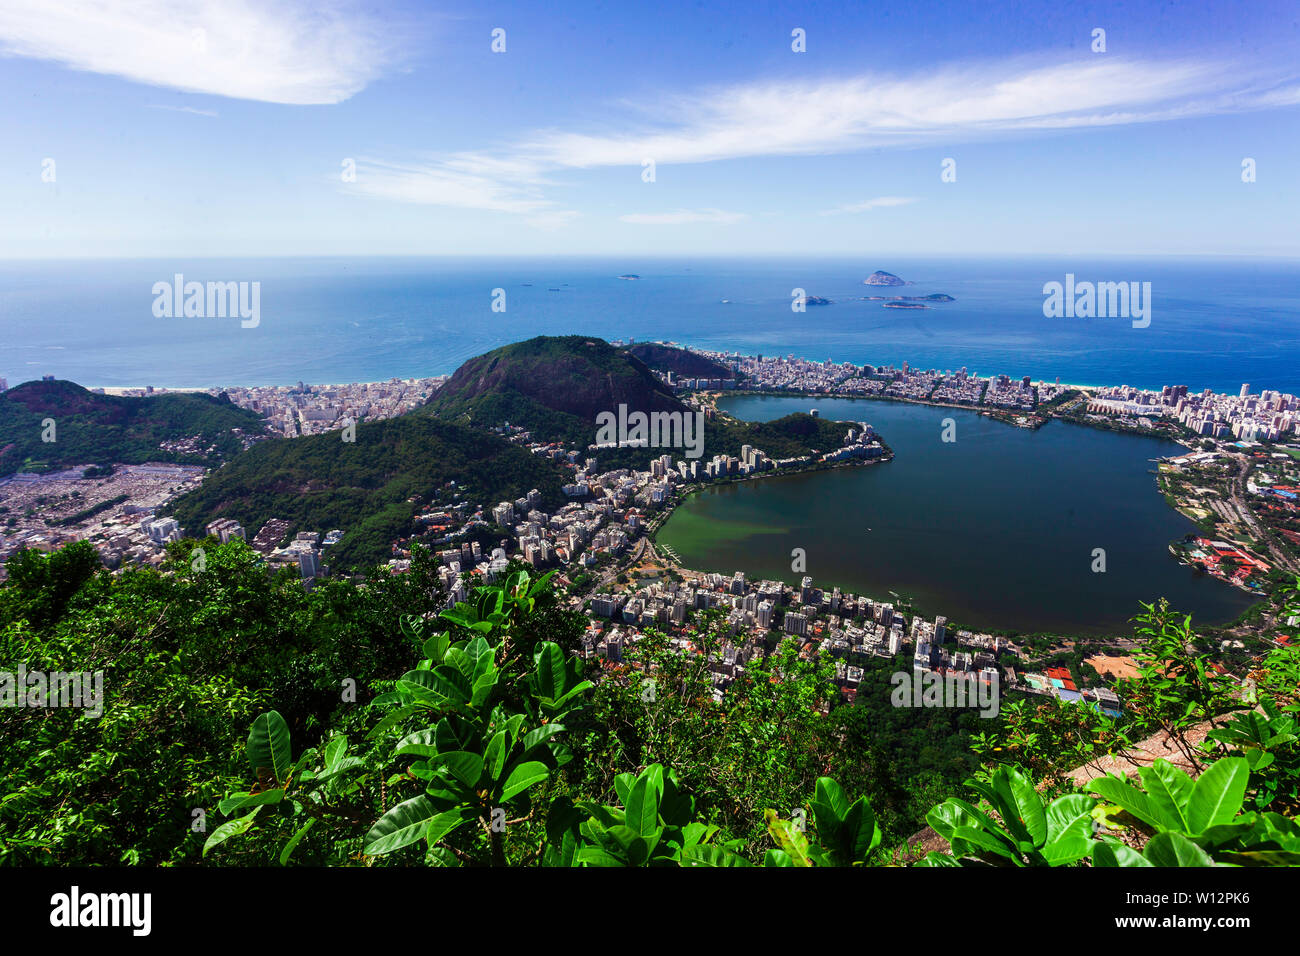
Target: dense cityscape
[{"x": 601, "y": 541}]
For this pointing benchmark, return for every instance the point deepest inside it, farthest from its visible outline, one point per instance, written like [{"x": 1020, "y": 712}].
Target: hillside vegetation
[
  {"x": 110, "y": 429},
  {"x": 319, "y": 482},
  {"x": 681, "y": 362},
  {"x": 226, "y": 691},
  {"x": 553, "y": 386}
]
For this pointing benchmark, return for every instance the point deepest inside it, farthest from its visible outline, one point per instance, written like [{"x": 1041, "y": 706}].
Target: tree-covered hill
[
  {"x": 89, "y": 428},
  {"x": 554, "y": 385},
  {"x": 557, "y": 386},
  {"x": 320, "y": 482},
  {"x": 682, "y": 363}
]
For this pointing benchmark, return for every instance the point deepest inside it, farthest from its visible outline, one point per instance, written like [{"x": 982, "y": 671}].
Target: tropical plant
[
  {"x": 1190, "y": 822},
  {"x": 494, "y": 741},
  {"x": 302, "y": 795},
  {"x": 1019, "y": 829}
]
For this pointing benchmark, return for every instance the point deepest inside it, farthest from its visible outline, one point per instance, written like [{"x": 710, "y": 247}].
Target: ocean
[{"x": 1215, "y": 323}]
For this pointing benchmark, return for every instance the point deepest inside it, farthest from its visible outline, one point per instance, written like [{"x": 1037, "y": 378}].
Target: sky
[{"x": 286, "y": 127}]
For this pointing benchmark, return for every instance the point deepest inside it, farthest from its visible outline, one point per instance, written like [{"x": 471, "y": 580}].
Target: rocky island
[
  {"x": 883, "y": 278},
  {"x": 909, "y": 301}
]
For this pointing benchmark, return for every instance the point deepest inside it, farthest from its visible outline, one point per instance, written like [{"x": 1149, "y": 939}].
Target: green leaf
[
  {"x": 227, "y": 830},
  {"x": 240, "y": 801},
  {"x": 421, "y": 743},
  {"x": 642, "y": 807},
  {"x": 268, "y": 746},
  {"x": 860, "y": 833},
  {"x": 494, "y": 756},
  {"x": 711, "y": 856},
  {"x": 1025, "y": 802},
  {"x": 829, "y": 804},
  {"x": 435, "y": 648},
  {"x": 335, "y": 751},
  {"x": 451, "y": 684},
  {"x": 1069, "y": 829},
  {"x": 1217, "y": 796},
  {"x": 540, "y": 735},
  {"x": 548, "y": 673},
  {"x": 524, "y": 776},
  {"x": 595, "y": 856},
  {"x": 465, "y": 766},
  {"x": 792, "y": 841},
  {"x": 1120, "y": 792},
  {"x": 1117, "y": 854},
  {"x": 935, "y": 858},
  {"x": 445, "y": 823},
  {"x": 1173, "y": 849},
  {"x": 401, "y": 826},
  {"x": 1169, "y": 792},
  {"x": 391, "y": 718},
  {"x": 633, "y": 846},
  {"x": 965, "y": 839},
  {"x": 294, "y": 841}
]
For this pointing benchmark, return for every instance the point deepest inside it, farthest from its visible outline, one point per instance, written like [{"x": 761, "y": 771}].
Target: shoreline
[{"x": 713, "y": 398}]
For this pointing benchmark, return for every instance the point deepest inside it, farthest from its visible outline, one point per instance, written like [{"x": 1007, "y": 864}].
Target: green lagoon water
[{"x": 995, "y": 530}]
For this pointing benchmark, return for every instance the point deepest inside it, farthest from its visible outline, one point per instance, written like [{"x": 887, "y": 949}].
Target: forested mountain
[
  {"x": 89, "y": 428},
  {"x": 365, "y": 487}
]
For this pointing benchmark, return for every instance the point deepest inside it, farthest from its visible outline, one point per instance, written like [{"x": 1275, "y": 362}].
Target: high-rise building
[{"x": 309, "y": 564}]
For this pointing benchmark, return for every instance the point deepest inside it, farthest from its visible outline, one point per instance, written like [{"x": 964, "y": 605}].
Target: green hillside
[
  {"x": 683, "y": 364},
  {"x": 107, "y": 429},
  {"x": 320, "y": 482},
  {"x": 553, "y": 385},
  {"x": 556, "y": 387}
]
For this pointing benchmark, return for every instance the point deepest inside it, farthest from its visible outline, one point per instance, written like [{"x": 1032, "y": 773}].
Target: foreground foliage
[{"x": 248, "y": 722}]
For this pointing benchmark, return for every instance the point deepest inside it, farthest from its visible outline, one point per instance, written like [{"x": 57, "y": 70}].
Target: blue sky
[{"x": 221, "y": 127}]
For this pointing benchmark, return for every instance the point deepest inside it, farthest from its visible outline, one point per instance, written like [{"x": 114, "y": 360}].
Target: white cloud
[
  {"x": 276, "y": 51},
  {"x": 182, "y": 109},
  {"x": 973, "y": 101},
  {"x": 458, "y": 181},
  {"x": 880, "y": 202},
  {"x": 943, "y": 105},
  {"x": 681, "y": 216}
]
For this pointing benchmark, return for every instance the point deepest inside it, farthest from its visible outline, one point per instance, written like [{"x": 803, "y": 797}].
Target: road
[{"x": 1238, "y": 485}]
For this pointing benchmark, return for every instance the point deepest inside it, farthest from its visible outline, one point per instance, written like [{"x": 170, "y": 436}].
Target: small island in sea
[
  {"x": 909, "y": 301},
  {"x": 629, "y": 276},
  {"x": 884, "y": 278},
  {"x": 816, "y": 300}
]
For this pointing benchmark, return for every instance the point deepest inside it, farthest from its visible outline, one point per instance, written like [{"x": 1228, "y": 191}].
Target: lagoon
[{"x": 996, "y": 530}]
